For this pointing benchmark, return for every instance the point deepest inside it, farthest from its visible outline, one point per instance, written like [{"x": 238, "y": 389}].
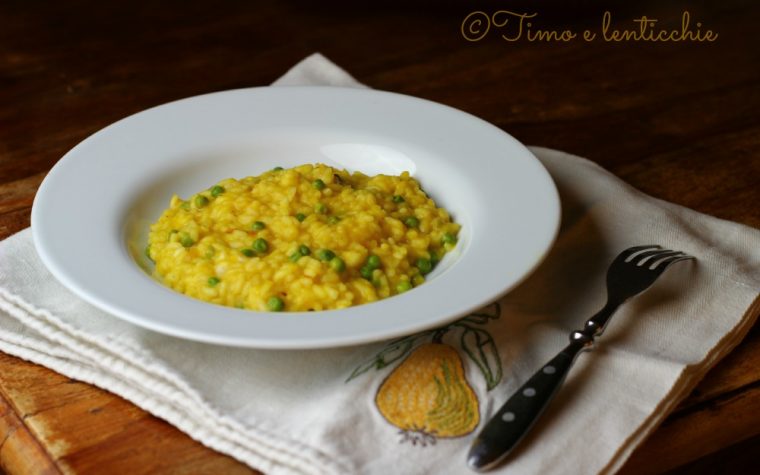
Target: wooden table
[{"x": 678, "y": 120}]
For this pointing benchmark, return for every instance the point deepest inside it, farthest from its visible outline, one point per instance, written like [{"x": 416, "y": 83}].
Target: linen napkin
[{"x": 297, "y": 412}]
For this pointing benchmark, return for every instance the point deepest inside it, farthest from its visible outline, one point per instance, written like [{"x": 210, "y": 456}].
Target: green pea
[
  {"x": 366, "y": 272},
  {"x": 304, "y": 250},
  {"x": 318, "y": 184},
  {"x": 333, "y": 220},
  {"x": 325, "y": 255},
  {"x": 277, "y": 169},
  {"x": 248, "y": 252},
  {"x": 449, "y": 238},
  {"x": 258, "y": 226},
  {"x": 411, "y": 222},
  {"x": 320, "y": 208},
  {"x": 398, "y": 199},
  {"x": 337, "y": 264},
  {"x": 418, "y": 280},
  {"x": 147, "y": 252},
  {"x": 212, "y": 281},
  {"x": 300, "y": 217},
  {"x": 424, "y": 265},
  {"x": 200, "y": 201},
  {"x": 373, "y": 262},
  {"x": 275, "y": 304},
  {"x": 295, "y": 256},
  {"x": 260, "y": 245},
  {"x": 434, "y": 258},
  {"x": 217, "y": 190},
  {"x": 403, "y": 286},
  {"x": 185, "y": 239}
]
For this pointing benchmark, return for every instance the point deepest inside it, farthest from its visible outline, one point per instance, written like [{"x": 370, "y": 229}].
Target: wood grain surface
[{"x": 679, "y": 121}]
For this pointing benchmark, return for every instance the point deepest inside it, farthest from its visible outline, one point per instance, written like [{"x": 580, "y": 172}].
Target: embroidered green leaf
[
  {"x": 394, "y": 351},
  {"x": 492, "y": 312},
  {"x": 480, "y": 347}
]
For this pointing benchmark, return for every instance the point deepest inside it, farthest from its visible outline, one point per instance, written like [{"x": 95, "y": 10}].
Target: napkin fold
[{"x": 294, "y": 412}]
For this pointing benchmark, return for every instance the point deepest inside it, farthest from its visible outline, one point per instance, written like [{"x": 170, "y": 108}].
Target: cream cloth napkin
[{"x": 294, "y": 411}]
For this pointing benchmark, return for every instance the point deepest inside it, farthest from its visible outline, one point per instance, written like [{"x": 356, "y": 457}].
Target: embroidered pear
[
  {"x": 427, "y": 396},
  {"x": 428, "y": 393}
]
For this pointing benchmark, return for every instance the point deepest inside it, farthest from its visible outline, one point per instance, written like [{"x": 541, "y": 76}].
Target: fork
[{"x": 632, "y": 272}]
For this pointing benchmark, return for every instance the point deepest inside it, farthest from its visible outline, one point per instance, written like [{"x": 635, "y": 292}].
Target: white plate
[{"x": 91, "y": 215}]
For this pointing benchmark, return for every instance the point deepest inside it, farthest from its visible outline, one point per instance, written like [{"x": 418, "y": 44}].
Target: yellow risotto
[{"x": 305, "y": 238}]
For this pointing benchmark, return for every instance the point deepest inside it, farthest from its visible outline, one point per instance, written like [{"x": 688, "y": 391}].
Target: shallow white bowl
[{"x": 91, "y": 215}]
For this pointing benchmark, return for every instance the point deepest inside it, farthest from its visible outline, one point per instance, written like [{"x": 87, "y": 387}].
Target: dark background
[{"x": 70, "y": 68}]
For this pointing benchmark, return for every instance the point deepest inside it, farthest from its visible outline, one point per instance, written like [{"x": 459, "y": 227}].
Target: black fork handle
[
  {"x": 521, "y": 411},
  {"x": 515, "y": 418}
]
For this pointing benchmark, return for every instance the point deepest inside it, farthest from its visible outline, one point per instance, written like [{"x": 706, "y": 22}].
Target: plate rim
[{"x": 266, "y": 343}]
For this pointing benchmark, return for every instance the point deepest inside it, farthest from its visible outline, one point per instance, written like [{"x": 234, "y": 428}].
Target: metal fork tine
[
  {"x": 625, "y": 255},
  {"x": 654, "y": 256},
  {"x": 641, "y": 248},
  {"x": 664, "y": 264},
  {"x": 640, "y": 258},
  {"x": 654, "y": 263}
]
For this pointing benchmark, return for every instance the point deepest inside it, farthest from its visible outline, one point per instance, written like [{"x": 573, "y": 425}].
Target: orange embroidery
[{"x": 428, "y": 396}]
